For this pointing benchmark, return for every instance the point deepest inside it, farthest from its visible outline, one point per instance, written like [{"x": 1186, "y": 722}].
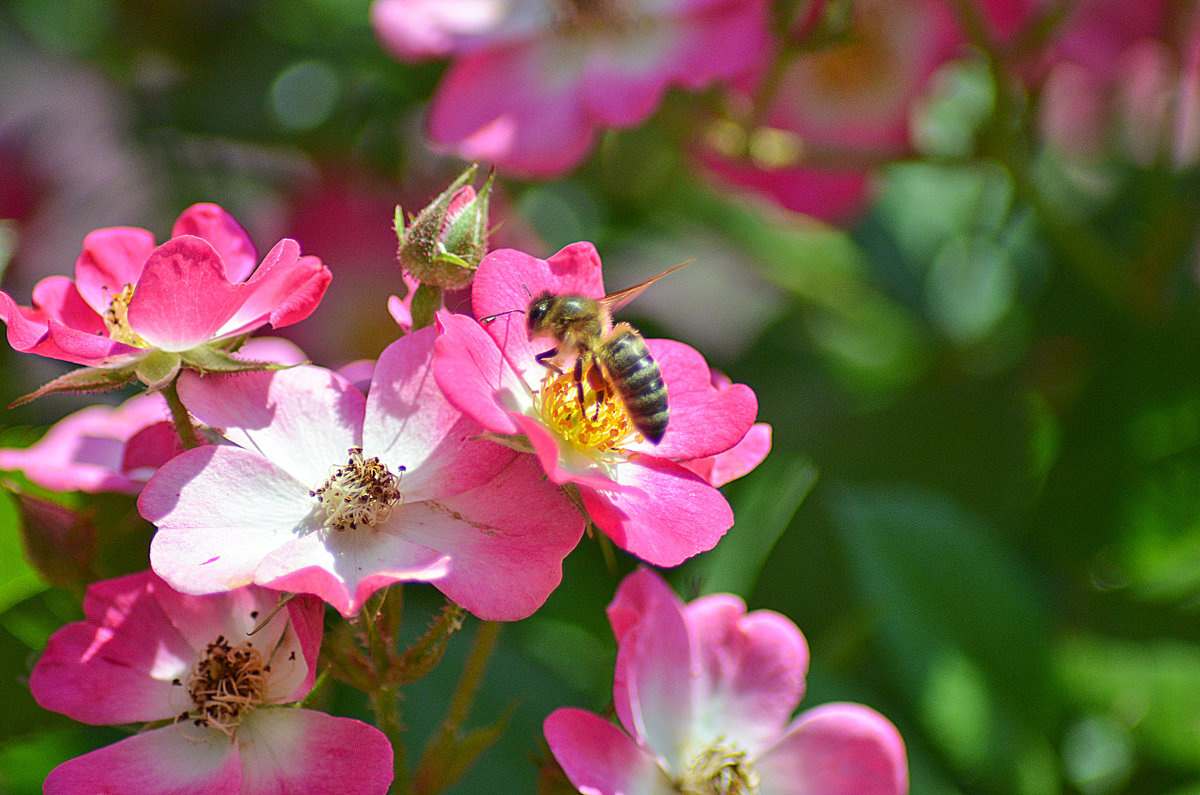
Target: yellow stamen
[
  {"x": 225, "y": 685},
  {"x": 116, "y": 319},
  {"x": 600, "y": 425},
  {"x": 720, "y": 769},
  {"x": 362, "y": 492}
]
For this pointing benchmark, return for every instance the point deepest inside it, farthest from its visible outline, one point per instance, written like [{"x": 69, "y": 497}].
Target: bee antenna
[{"x": 490, "y": 318}]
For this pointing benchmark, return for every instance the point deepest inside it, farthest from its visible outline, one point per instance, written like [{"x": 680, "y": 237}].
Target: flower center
[
  {"x": 226, "y": 684},
  {"x": 720, "y": 769},
  {"x": 584, "y": 16},
  {"x": 856, "y": 64},
  {"x": 598, "y": 424},
  {"x": 363, "y": 492},
  {"x": 116, "y": 319}
]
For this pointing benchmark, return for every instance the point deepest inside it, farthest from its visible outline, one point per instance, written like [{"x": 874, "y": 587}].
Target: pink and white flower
[
  {"x": 839, "y": 111},
  {"x": 532, "y": 83},
  {"x": 705, "y": 693},
  {"x": 130, "y": 298},
  {"x": 640, "y": 494},
  {"x": 328, "y": 492},
  {"x": 210, "y": 692}
]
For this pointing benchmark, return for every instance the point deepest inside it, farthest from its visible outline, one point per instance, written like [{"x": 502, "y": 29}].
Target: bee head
[{"x": 539, "y": 310}]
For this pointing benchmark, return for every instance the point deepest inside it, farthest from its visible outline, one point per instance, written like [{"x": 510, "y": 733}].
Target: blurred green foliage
[{"x": 991, "y": 404}]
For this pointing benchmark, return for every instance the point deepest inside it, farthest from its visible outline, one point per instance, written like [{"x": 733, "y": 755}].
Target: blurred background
[{"x": 958, "y": 270}]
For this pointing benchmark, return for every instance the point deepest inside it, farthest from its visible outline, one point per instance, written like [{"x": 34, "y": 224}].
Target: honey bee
[{"x": 619, "y": 360}]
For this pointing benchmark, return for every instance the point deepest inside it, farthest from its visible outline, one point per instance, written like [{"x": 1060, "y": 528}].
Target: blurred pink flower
[
  {"x": 839, "y": 111},
  {"x": 705, "y": 693},
  {"x": 87, "y": 450},
  {"x": 638, "y": 493},
  {"x": 187, "y": 664},
  {"x": 328, "y": 492},
  {"x": 531, "y": 83},
  {"x": 1115, "y": 83},
  {"x": 130, "y": 298}
]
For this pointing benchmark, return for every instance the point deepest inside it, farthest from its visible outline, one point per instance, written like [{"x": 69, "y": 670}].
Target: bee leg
[
  {"x": 579, "y": 382},
  {"x": 543, "y": 359}
]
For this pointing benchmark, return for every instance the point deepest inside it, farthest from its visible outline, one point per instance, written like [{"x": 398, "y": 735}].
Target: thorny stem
[{"x": 180, "y": 417}]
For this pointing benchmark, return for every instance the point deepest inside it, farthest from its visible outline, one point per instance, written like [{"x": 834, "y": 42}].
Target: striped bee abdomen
[{"x": 637, "y": 379}]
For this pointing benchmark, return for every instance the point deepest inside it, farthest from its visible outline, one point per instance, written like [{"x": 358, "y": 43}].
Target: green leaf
[
  {"x": 764, "y": 504},
  {"x": 961, "y": 625},
  {"x": 205, "y": 359},
  {"x": 1149, "y": 688},
  {"x": 18, "y": 579}
]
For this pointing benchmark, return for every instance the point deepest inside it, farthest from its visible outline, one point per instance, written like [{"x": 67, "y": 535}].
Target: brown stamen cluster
[
  {"x": 362, "y": 492},
  {"x": 228, "y": 682},
  {"x": 573, "y": 16}
]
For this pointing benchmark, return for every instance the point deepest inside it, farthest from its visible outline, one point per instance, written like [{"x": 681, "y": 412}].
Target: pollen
[
  {"x": 226, "y": 684},
  {"x": 720, "y": 769},
  {"x": 116, "y": 319},
  {"x": 361, "y": 492},
  {"x": 598, "y": 424}
]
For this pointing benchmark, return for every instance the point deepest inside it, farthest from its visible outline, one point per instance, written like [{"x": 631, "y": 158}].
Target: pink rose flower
[
  {"x": 188, "y": 666},
  {"x": 839, "y": 110},
  {"x": 328, "y": 492},
  {"x": 640, "y": 494},
  {"x": 705, "y": 693},
  {"x": 88, "y": 450},
  {"x": 532, "y": 83},
  {"x": 130, "y": 298}
]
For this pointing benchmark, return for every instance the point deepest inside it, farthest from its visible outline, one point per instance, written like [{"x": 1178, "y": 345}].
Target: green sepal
[
  {"x": 206, "y": 360},
  {"x": 83, "y": 380}
]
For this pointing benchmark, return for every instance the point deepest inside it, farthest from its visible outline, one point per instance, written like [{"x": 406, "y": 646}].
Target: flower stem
[
  {"x": 387, "y": 718},
  {"x": 180, "y": 417}
]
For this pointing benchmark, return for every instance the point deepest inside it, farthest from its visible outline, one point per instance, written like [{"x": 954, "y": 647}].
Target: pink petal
[
  {"x": 665, "y": 515},
  {"x": 118, "y": 666},
  {"x": 410, "y": 423},
  {"x": 85, "y": 450},
  {"x": 500, "y": 105},
  {"x": 58, "y": 298},
  {"x": 836, "y": 749},
  {"x": 183, "y": 296},
  {"x": 414, "y": 30},
  {"x": 738, "y": 460},
  {"x": 345, "y": 568},
  {"x": 111, "y": 259},
  {"x": 56, "y": 302},
  {"x": 303, "y": 420},
  {"x": 172, "y": 760},
  {"x": 506, "y": 541},
  {"x": 654, "y": 683},
  {"x": 705, "y": 420},
  {"x": 637, "y": 595},
  {"x": 304, "y": 752},
  {"x": 272, "y": 349},
  {"x": 92, "y": 350},
  {"x": 224, "y": 233},
  {"x": 752, "y": 670},
  {"x": 307, "y": 614},
  {"x": 285, "y": 289},
  {"x": 148, "y": 449},
  {"x": 561, "y": 461},
  {"x": 470, "y": 371},
  {"x": 599, "y": 758},
  {"x": 220, "y": 510}
]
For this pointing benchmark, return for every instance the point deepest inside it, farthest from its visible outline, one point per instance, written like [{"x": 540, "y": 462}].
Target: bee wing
[{"x": 614, "y": 301}]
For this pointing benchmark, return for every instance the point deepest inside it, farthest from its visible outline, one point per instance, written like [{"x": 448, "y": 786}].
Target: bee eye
[{"x": 537, "y": 312}]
